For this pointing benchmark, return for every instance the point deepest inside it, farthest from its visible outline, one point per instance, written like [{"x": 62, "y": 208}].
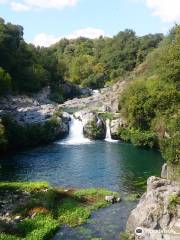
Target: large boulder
[
  {"x": 36, "y": 123},
  {"x": 61, "y": 128},
  {"x": 115, "y": 126},
  {"x": 93, "y": 126},
  {"x": 158, "y": 209}
]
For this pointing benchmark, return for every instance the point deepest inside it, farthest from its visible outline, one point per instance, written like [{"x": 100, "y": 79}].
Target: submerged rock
[{"x": 158, "y": 209}]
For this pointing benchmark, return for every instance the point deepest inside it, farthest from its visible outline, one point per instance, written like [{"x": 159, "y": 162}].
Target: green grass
[
  {"x": 24, "y": 186},
  {"x": 132, "y": 197},
  {"x": 53, "y": 208},
  {"x": 38, "y": 228},
  {"x": 76, "y": 209},
  {"x": 174, "y": 200}
]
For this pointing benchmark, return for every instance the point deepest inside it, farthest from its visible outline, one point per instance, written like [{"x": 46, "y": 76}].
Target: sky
[{"x": 47, "y": 21}]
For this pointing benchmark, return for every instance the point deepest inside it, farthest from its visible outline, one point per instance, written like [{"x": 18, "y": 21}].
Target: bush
[
  {"x": 170, "y": 143},
  {"x": 95, "y": 81},
  {"x": 5, "y": 82},
  {"x": 174, "y": 201},
  {"x": 30, "y": 135},
  {"x": 142, "y": 100},
  {"x": 3, "y": 139},
  {"x": 151, "y": 102},
  {"x": 138, "y": 137}
]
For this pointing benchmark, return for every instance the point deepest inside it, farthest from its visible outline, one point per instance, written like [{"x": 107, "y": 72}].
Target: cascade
[
  {"x": 75, "y": 136},
  {"x": 108, "y": 132}
]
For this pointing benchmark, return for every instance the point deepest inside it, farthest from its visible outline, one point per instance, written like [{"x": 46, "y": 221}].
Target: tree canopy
[{"x": 152, "y": 100}]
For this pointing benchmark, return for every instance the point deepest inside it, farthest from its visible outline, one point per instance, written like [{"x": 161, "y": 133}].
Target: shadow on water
[{"x": 117, "y": 166}]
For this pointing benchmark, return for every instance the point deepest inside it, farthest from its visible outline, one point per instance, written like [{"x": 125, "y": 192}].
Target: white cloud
[
  {"x": 3, "y": 1},
  {"x": 19, "y": 7},
  {"x": 86, "y": 32},
  {"x": 59, "y": 4},
  {"x": 167, "y": 10},
  {"x": 43, "y": 39},
  {"x": 25, "y": 5}
]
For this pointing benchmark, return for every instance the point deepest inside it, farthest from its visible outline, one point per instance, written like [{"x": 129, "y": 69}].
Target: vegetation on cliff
[
  {"x": 151, "y": 102},
  {"x": 14, "y": 135}
]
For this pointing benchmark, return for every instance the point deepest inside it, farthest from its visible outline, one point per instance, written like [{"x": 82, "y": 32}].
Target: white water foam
[
  {"x": 108, "y": 133},
  {"x": 75, "y": 136}
]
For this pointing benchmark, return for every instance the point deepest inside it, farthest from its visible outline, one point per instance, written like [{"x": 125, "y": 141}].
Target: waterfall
[
  {"x": 75, "y": 136},
  {"x": 108, "y": 132}
]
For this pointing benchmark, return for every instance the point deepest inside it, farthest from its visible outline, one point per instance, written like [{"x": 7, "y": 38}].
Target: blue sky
[{"x": 46, "y": 21}]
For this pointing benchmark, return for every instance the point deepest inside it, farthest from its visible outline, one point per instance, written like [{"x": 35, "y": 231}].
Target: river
[{"x": 81, "y": 163}]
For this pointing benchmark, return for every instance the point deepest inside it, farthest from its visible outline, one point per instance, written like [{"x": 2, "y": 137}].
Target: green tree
[
  {"x": 5, "y": 82},
  {"x": 3, "y": 139}
]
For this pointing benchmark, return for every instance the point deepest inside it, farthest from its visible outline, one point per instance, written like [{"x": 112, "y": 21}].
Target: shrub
[
  {"x": 30, "y": 135},
  {"x": 170, "y": 143},
  {"x": 5, "y": 82},
  {"x": 3, "y": 139},
  {"x": 138, "y": 137},
  {"x": 174, "y": 200}
]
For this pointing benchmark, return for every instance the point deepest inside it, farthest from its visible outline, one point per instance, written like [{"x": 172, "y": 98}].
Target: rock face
[
  {"x": 106, "y": 99},
  {"x": 115, "y": 126},
  {"x": 30, "y": 112},
  {"x": 93, "y": 126},
  {"x": 61, "y": 129},
  {"x": 158, "y": 210}
]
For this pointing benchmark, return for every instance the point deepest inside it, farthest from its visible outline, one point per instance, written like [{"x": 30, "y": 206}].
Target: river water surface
[
  {"x": 119, "y": 167},
  {"x": 78, "y": 162}
]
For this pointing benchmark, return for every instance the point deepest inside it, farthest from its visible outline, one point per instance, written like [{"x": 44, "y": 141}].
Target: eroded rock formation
[{"x": 158, "y": 212}]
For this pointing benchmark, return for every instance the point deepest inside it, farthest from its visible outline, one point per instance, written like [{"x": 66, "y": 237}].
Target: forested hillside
[
  {"x": 151, "y": 103},
  {"x": 25, "y": 68},
  {"x": 94, "y": 63}
]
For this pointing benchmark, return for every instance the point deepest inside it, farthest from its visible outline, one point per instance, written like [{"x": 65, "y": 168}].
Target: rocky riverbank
[
  {"x": 41, "y": 120},
  {"x": 34, "y": 210},
  {"x": 104, "y": 100},
  {"x": 157, "y": 216},
  {"x": 31, "y": 121}
]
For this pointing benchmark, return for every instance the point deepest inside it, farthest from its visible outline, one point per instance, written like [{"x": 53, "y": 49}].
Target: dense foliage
[
  {"x": 90, "y": 63},
  {"x": 152, "y": 101},
  {"x": 14, "y": 135},
  {"x": 93, "y": 63},
  {"x": 24, "y": 68},
  {"x": 3, "y": 139}
]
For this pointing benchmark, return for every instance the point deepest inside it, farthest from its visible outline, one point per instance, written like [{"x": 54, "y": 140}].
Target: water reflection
[
  {"x": 116, "y": 166},
  {"x": 100, "y": 164}
]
